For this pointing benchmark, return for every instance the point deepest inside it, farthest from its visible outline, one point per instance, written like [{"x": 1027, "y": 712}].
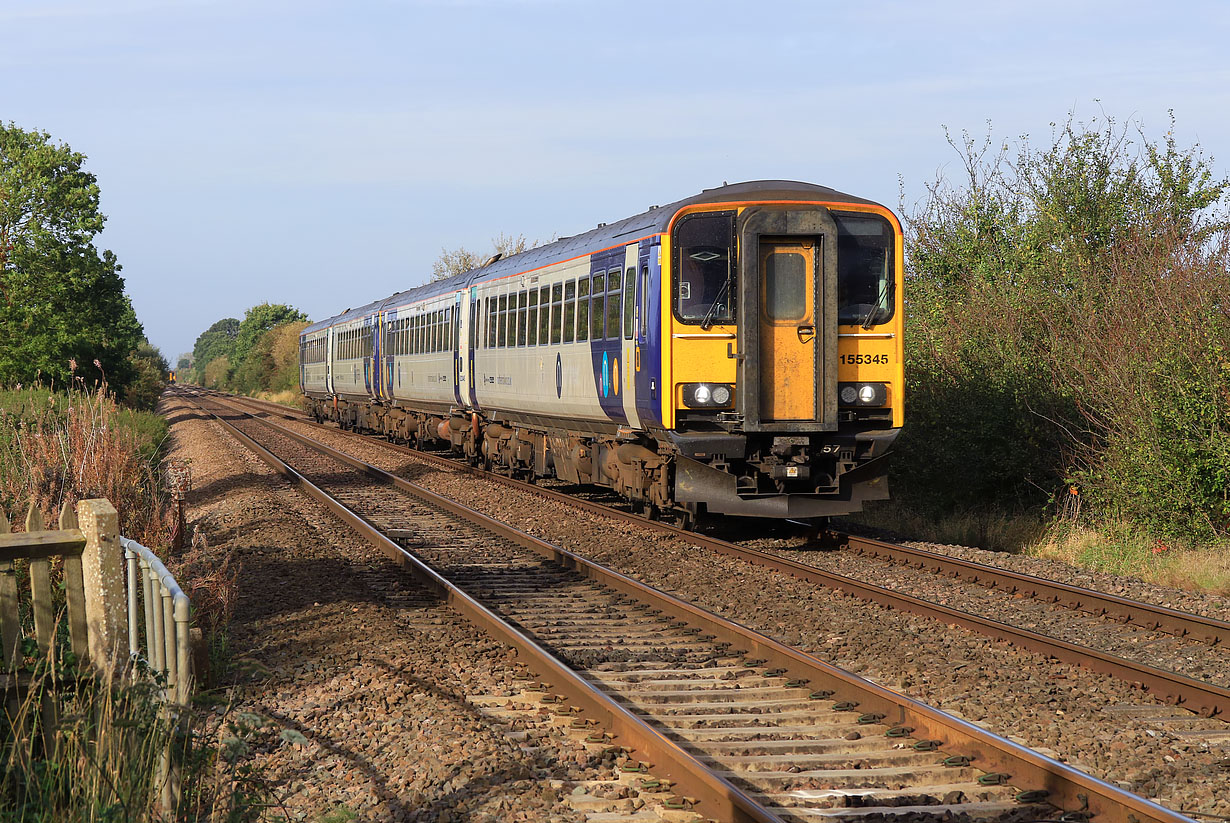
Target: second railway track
[
  {"x": 796, "y": 735},
  {"x": 1202, "y": 696}
]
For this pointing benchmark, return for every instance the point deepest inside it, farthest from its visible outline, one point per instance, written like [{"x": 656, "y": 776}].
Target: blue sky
[{"x": 322, "y": 154}]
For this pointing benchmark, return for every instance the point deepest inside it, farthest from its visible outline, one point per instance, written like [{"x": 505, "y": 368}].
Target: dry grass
[
  {"x": 1114, "y": 548},
  {"x": 287, "y": 397},
  {"x": 57, "y": 449},
  {"x": 102, "y": 761},
  {"x": 1120, "y": 549}
]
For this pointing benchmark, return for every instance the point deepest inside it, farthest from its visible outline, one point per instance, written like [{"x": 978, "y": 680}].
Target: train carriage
[{"x": 738, "y": 351}]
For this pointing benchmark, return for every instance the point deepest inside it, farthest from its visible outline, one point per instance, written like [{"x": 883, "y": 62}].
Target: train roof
[{"x": 653, "y": 221}]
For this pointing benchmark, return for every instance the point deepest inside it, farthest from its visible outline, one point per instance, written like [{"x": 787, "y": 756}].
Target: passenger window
[
  {"x": 629, "y": 301},
  {"x": 612, "y": 306},
  {"x": 491, "y": 319},
  {"x": 531, "y": 323},
  {"x": 583, "y": 309},
  {"x": 597, "y": 314},
  {"x": 521, "y": 317},
  {"x": 570, "y": 309},
  {"x": 557, "y": 314},
  {"x": 503, "y": 321},
  {"x": 544, "y": 315}
]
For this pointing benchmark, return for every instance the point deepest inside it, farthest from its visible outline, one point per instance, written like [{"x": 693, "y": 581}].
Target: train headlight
[
  {"x": 862, "y": 394},
  {"x": 707, "y": 395}
]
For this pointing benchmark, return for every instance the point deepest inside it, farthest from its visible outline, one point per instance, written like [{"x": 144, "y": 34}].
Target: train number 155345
[{"x": 860, "y": 359}]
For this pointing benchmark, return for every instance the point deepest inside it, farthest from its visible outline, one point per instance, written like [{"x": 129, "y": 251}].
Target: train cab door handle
[{"x": 806, "y": 333}]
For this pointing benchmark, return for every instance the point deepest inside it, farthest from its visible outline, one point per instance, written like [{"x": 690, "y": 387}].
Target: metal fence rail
[{"x": 156, "y": 601}]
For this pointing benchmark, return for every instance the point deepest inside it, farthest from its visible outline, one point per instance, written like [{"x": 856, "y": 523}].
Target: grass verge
[{"x": 1111, "y": 547}]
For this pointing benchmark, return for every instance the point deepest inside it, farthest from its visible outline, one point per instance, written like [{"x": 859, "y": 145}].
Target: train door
[
  {"x": 787, "y": 329},
  {"x": 329, "y": 360},
  {"x": 471, "y": 342},
  {"x": 388, "y": 334},
  {"x": 626, "y": 334},
  {"x": 647, "y": 356},
  {"x": 371, "y": 363},
  {"x": 460, "y": 373}
]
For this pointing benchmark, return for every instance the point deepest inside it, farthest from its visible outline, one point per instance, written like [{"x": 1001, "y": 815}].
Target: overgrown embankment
[
  {"x": 258, "y": 355},
  {"x": 1066, "y": 355},
  {"x": 57, "y": 449}
]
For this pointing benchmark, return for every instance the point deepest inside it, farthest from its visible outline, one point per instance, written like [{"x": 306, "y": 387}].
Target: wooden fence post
[{"x": 106, "y": 602}]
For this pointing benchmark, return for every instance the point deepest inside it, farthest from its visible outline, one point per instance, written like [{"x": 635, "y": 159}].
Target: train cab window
[
  {"x": 544, "y": 314},
  {"x": 612, "y": 305},
  {"x": 583, "y": 309},
  {"x": 557, "y": 312},
  {"x": 704, "y": 279},
  {"x": 597, "y": 312},
  {"x": 570, "y": 309},
  {"x": 865, "y": 269},
  {"x": 521, "y": 318},
  {"x": 531, "y": 322},
  {"x": 629, "y": 300}
]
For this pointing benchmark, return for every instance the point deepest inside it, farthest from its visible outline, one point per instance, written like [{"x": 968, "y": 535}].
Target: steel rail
[
  {"x": 1207, "y": 699},
  {"x": 1147, "y": 615},
  {"x": 1066, "y": 787}
]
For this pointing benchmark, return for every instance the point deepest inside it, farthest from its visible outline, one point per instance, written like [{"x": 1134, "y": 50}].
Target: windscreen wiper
[
  {"x": 879, "y": 304},
  {"x": 706, "y": 322}
]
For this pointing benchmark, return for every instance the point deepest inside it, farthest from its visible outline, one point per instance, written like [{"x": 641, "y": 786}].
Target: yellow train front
[
  {"x": 736, "y": 352},
  {"x": 784, "y": 350}
]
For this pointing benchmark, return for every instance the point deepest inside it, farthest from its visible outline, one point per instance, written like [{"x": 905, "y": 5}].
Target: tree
[
  {"x": 150, "y": 375},
  {"x": 62, "y": 303},
  {"x": 216, "y": 341},
  {"x": 258, "y": 320},
  {"x": 460, "y": 260}
]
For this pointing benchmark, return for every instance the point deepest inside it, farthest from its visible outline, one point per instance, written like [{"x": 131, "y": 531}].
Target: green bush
[{"x": 1065, "y": 324}]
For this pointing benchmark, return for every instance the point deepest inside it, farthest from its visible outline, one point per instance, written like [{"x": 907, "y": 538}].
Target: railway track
[
  {"x": 746, "y": 727},
  {"x": 1203, "y": 698}
]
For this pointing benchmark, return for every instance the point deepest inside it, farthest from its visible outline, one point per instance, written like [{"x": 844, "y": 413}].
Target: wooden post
[{"x": 106, "y": 604}]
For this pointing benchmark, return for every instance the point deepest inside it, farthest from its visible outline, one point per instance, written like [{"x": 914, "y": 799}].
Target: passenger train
[{"x": 737, "y": 352}]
